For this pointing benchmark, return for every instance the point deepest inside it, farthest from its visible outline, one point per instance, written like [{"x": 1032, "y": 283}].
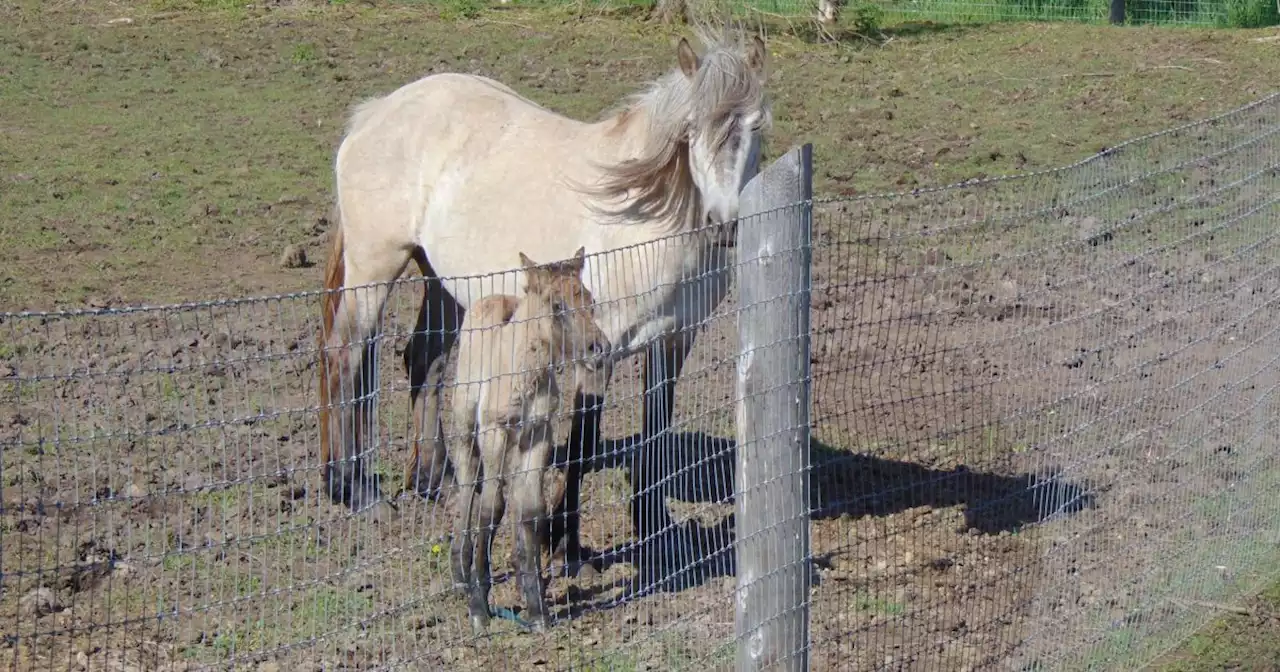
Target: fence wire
[
  {"x": 164, "y": 506},
  {"x": 867, "y": 14},
  {"x": 1043, "y": 407},
  {"x": 1042, "y": 418}
]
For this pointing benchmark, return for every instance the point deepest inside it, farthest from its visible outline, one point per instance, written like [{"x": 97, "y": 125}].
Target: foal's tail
[{"x": 334, "y": 274}]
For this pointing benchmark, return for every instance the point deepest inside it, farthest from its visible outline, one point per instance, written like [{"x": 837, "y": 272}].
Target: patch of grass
[
  {"x": 1204, "y": 571},
  {"x": 304, "y": 52},
  {"x": 1233, "y": 642},
  {"x": 169, "y": 162},
  {"x": 878, "y": 605}
]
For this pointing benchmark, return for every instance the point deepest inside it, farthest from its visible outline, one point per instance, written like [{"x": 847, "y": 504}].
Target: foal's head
[{"x": 556, "y": 290}]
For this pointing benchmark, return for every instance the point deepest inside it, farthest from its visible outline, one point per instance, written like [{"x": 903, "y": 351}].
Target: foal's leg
[
  {"x": 654, "y": 460},
  {"x": 526, "y": 491},
  {"x": 494, "y": 446},
  {"x": 350, "y": 367},
  {"x": 424, "y": 360},
  {"x": 583, "y": 446},
  {"x": 466, "y": 464}
]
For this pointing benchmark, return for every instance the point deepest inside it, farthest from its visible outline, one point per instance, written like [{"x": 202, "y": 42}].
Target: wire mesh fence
[
  {"x": 1205, "y": 13},
  {"x": 1042, "y": 407},
  {"x": 1041, "y": 417}
]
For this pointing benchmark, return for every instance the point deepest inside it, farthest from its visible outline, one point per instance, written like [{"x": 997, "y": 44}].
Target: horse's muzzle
[{"x": 723, "y": 234}]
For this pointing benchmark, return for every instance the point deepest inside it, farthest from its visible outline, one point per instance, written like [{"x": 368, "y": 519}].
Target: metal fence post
[{"x": 772, "y": 495}]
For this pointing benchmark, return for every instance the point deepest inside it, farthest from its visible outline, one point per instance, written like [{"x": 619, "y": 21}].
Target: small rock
[
  {"x": 383, "y": 512},
  {"x": 588, "y": 571},
  {"x": 192, "y": 482},
  {"x": 294, "y": 256},
  {"x": 269, "y": 667},
  {"x": 135, "y": 491},
  {"x": 39, "y": 602}
]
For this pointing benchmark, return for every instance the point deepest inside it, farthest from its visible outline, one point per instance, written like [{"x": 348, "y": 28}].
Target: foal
[{"x": 505, "y": 400}]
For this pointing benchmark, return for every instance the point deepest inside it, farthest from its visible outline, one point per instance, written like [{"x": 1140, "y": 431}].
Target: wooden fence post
[
  {"x": 772, "y": 494},
  {"x": 1117, "y": 11}
]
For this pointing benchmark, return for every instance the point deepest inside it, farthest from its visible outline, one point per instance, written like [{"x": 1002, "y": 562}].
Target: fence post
[
  {"x": 1117, "y": 11},
  {"x": 772, "y": 495}
]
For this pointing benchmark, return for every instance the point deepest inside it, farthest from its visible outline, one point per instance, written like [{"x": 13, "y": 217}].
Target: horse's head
[
  {"x": 728, "y": 115},
  {"x": 697, "y": 140},
  {"x": 558, "y": 287}
]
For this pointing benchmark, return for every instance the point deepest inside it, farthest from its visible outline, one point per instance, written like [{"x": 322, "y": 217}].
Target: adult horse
[{"x": 459, "y": 173}]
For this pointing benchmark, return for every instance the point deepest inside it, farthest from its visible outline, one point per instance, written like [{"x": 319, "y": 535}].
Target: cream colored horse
[
  {"x": 504, "y": 403},
  {"x": 458, "y": 172}
]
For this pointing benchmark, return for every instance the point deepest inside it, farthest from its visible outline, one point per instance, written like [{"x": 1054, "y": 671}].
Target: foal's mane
[{"x": 660, "y": 177}]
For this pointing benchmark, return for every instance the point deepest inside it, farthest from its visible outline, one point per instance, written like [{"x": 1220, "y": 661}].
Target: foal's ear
[
  {"x": 526, "y": 262},
  {"x": 687, "y": 58},
  {"x": 756, "y": 54},
  {"x": 579, "y": 256}
]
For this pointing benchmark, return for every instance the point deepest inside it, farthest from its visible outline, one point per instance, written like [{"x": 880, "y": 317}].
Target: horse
[
  {"x": 504, "y": 401},
  {"x": 456, "y": 172}
]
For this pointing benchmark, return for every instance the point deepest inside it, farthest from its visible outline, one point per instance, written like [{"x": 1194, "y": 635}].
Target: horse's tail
[
  {"x": 335, "y": 270},
  {"x": 334, "y": 275}
]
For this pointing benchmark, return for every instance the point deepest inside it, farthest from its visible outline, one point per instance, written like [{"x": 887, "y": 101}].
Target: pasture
[{"x": 159, "y": 466}]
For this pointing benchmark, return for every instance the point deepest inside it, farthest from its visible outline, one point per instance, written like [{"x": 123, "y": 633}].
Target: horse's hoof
[{"x": 479, "y": 624}]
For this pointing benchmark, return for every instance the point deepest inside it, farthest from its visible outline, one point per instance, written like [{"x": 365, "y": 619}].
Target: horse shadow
[{"x": 841, "y": 484}]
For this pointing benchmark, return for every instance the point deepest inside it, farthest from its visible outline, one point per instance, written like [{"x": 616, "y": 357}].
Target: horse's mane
[{"x": 660, "y": 175}]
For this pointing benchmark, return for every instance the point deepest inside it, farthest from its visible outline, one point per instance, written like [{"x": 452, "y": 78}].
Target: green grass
[
  {"x": 175, "y": 157},
  {"x": 1237, "y": 641},
  {"x": 1233, "y": 642}
]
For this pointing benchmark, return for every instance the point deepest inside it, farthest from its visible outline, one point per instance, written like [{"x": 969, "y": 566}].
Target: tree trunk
[{"x": 829, "y": 11}]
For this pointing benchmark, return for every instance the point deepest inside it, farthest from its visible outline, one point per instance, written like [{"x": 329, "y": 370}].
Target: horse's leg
[
  {"x": 493, "y": 454},
  {"x": 424, "y": 360},
  {"x": 583, "y": 446},
  {"x": 526, "y": 493},
  {"x": 651, "y": 462},
  {"x": 349, "y": 364}
]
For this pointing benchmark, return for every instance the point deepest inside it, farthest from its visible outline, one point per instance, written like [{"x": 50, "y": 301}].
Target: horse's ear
[
  {"x": 579, "y": 256},
  {"x": 756, "y": 54},
  {"x": 526, "y": 262},
  {"x": 687, "y": 58}
]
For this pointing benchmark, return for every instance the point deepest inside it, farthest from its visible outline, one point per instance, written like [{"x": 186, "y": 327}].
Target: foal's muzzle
[{"x": 597, "y": 353}]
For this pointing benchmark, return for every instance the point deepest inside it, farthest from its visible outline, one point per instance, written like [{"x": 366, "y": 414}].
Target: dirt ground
[{"x": 1042, "y": 409}]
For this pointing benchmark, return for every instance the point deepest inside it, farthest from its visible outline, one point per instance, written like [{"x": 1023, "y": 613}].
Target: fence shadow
[{"x": 841, "y": 483}]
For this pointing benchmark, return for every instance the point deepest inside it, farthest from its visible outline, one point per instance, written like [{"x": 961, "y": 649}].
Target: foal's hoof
[
  {"x": 363, "y": 497},
  {"x": 479, "y": 624},
  {"x": 426, "y": 485}
]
